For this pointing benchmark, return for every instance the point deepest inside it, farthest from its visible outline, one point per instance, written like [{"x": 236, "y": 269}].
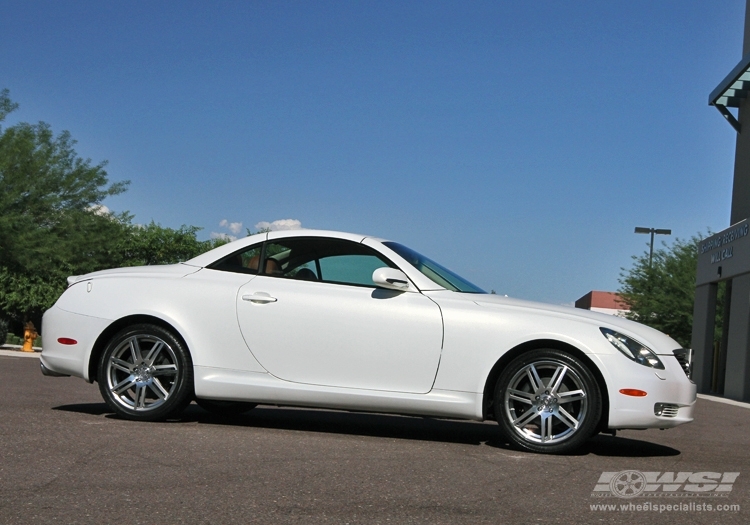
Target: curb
[
  {"x": 9, "y": 352},
  {"x": 18, "y": 347},
  {"x": 724, "y": 400}
]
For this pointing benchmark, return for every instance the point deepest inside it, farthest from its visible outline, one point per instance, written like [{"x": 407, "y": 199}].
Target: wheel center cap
[
  {"x": 547, "y": 402},
  {"x": 142, "y": 373}
]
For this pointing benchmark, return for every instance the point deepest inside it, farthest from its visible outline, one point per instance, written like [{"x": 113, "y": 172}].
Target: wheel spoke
[
  {"x": 140, "y": 396},
  {"x": 123, "y": 385},
  {"x": 121, "y": 365},
  {"x": 135, "y": 350},
  {"x": 557, "y": 377},
  {"x": 569, "y": 397},
  {"x": 162, "y": 370},
  {"x": 152, "y": 355},
  {"x": 159, "y": 390},
  {"x": 536, "y": 381},
  {"x": 564, "y": 416},
  {"x": 519, "y": 395},
  {"x": 525, "y": 417},
  {"x": 546, "y": 429}
]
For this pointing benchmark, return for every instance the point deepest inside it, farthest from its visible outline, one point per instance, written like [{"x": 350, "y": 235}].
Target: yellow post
[{"x": 29, "y": 334}]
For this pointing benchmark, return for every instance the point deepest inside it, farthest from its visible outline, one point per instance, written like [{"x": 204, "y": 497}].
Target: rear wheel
[
  {"x": 547, "y": 401},
  {"x": 146, "y": 373},
  {"x": 225, "y": 408}
]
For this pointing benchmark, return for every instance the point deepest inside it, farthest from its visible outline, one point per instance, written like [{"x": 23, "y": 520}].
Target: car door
[{"x": 315, "y": 317}]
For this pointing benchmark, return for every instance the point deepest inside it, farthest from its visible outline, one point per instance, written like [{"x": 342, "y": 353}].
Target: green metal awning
[{"x": 731, "y": 91}]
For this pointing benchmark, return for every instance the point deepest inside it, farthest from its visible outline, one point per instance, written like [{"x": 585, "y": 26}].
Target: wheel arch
[
  {"x": 112, "y": 329},
  {"x": 489, "y": 386}
]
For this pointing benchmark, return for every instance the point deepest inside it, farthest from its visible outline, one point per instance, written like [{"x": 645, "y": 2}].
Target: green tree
[
  {"x": 155, "y": 244},
  {"x": 662, "y": 295},
  {"x": 48, "y": 199},
  {"x": 50, "y": 224},
  {"x": 53, "y": 223}
]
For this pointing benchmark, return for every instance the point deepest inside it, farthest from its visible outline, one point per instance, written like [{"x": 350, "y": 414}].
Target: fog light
[{"x": 666, "y": 410}]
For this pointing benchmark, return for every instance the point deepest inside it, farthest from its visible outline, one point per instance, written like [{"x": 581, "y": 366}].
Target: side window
[
  {"x": 322, "y": 259},
  {"x": 245, "y": 261},
  {"x": 350, "y": 269}
]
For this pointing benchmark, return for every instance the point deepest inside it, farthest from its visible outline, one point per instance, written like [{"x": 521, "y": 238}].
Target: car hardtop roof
[{"x": 211, "y": 256}]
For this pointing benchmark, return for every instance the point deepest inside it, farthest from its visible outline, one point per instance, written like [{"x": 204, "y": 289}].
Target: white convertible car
[{"x": 343, "y": 321}]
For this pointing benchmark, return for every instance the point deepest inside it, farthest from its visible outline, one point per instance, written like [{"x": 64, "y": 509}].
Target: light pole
[{"x": 652, "y": 231}]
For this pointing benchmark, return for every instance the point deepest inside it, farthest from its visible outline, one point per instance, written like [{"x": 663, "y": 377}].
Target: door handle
[{"x": 259, "y": 298}]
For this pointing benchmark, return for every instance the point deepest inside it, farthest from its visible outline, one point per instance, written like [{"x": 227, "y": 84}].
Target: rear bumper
[
  {"x": 51, "y": 373},
  {"x": 69, "y": 359}
]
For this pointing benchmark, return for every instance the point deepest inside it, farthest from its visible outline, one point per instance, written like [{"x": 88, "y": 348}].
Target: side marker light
[
  {"x": 67, "y": 341},
  {"x": 633, "y": 392}
]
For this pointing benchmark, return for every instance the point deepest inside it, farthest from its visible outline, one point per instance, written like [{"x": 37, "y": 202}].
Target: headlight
[{"x": 632, "y": 349}]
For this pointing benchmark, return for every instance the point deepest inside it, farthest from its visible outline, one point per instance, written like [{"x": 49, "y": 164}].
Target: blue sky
[{"x": 517, "y": 143}]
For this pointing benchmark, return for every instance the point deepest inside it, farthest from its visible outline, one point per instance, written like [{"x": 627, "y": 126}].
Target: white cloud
[
  {"x": 100, "y": 209},
  {"x": 234, "y": 227},
  {"x": 225, "y": 236},
  {"x": 281, "y": 224}
]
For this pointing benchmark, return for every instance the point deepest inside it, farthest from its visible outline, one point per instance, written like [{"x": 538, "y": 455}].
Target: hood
[{"x": 658, "y": 341}]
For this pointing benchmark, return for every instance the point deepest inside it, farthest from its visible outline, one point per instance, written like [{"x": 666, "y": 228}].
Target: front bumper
[{"x": 670, "y": 399}]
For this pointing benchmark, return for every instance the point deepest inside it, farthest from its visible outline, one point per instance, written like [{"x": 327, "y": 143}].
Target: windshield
[{"x": 437, "y": 273}]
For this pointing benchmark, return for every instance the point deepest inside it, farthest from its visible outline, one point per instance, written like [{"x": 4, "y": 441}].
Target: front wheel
[
  {"x": 547, "y": 401},
  {"x": 146, "y": 374}
]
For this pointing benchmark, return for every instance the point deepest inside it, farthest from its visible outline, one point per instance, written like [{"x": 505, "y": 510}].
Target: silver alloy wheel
[
  {"x": 546, "y": 402},
  {"x": 142, "y": 372}
]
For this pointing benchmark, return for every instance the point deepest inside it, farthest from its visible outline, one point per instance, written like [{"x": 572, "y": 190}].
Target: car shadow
[
  {"x": 330, "y": 421},
  {"x": 610, "y": 446},
  {"x": 93, "y": 409},
  {"x": 386, "y": 426},
  {"x": 353, "y": 423}
]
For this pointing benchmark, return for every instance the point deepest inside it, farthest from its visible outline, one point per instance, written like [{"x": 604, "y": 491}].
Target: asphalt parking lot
[{"x": 64, "y": 458}]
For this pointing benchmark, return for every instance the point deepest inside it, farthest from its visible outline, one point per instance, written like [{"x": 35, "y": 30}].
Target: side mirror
[{"x": 390, "y": 278}]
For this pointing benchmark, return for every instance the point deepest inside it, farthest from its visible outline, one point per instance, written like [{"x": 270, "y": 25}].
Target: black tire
[
  {"x": 146, "y": 374},
  {"x": 547, "y": 401},
  {"x": 225, "y": 408}
]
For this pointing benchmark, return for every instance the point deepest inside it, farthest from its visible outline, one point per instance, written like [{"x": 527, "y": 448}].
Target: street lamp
[{"x": 652, "y": 231}]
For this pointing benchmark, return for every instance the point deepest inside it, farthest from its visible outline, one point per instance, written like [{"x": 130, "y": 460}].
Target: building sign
[{"x": 724, "y": 255}]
